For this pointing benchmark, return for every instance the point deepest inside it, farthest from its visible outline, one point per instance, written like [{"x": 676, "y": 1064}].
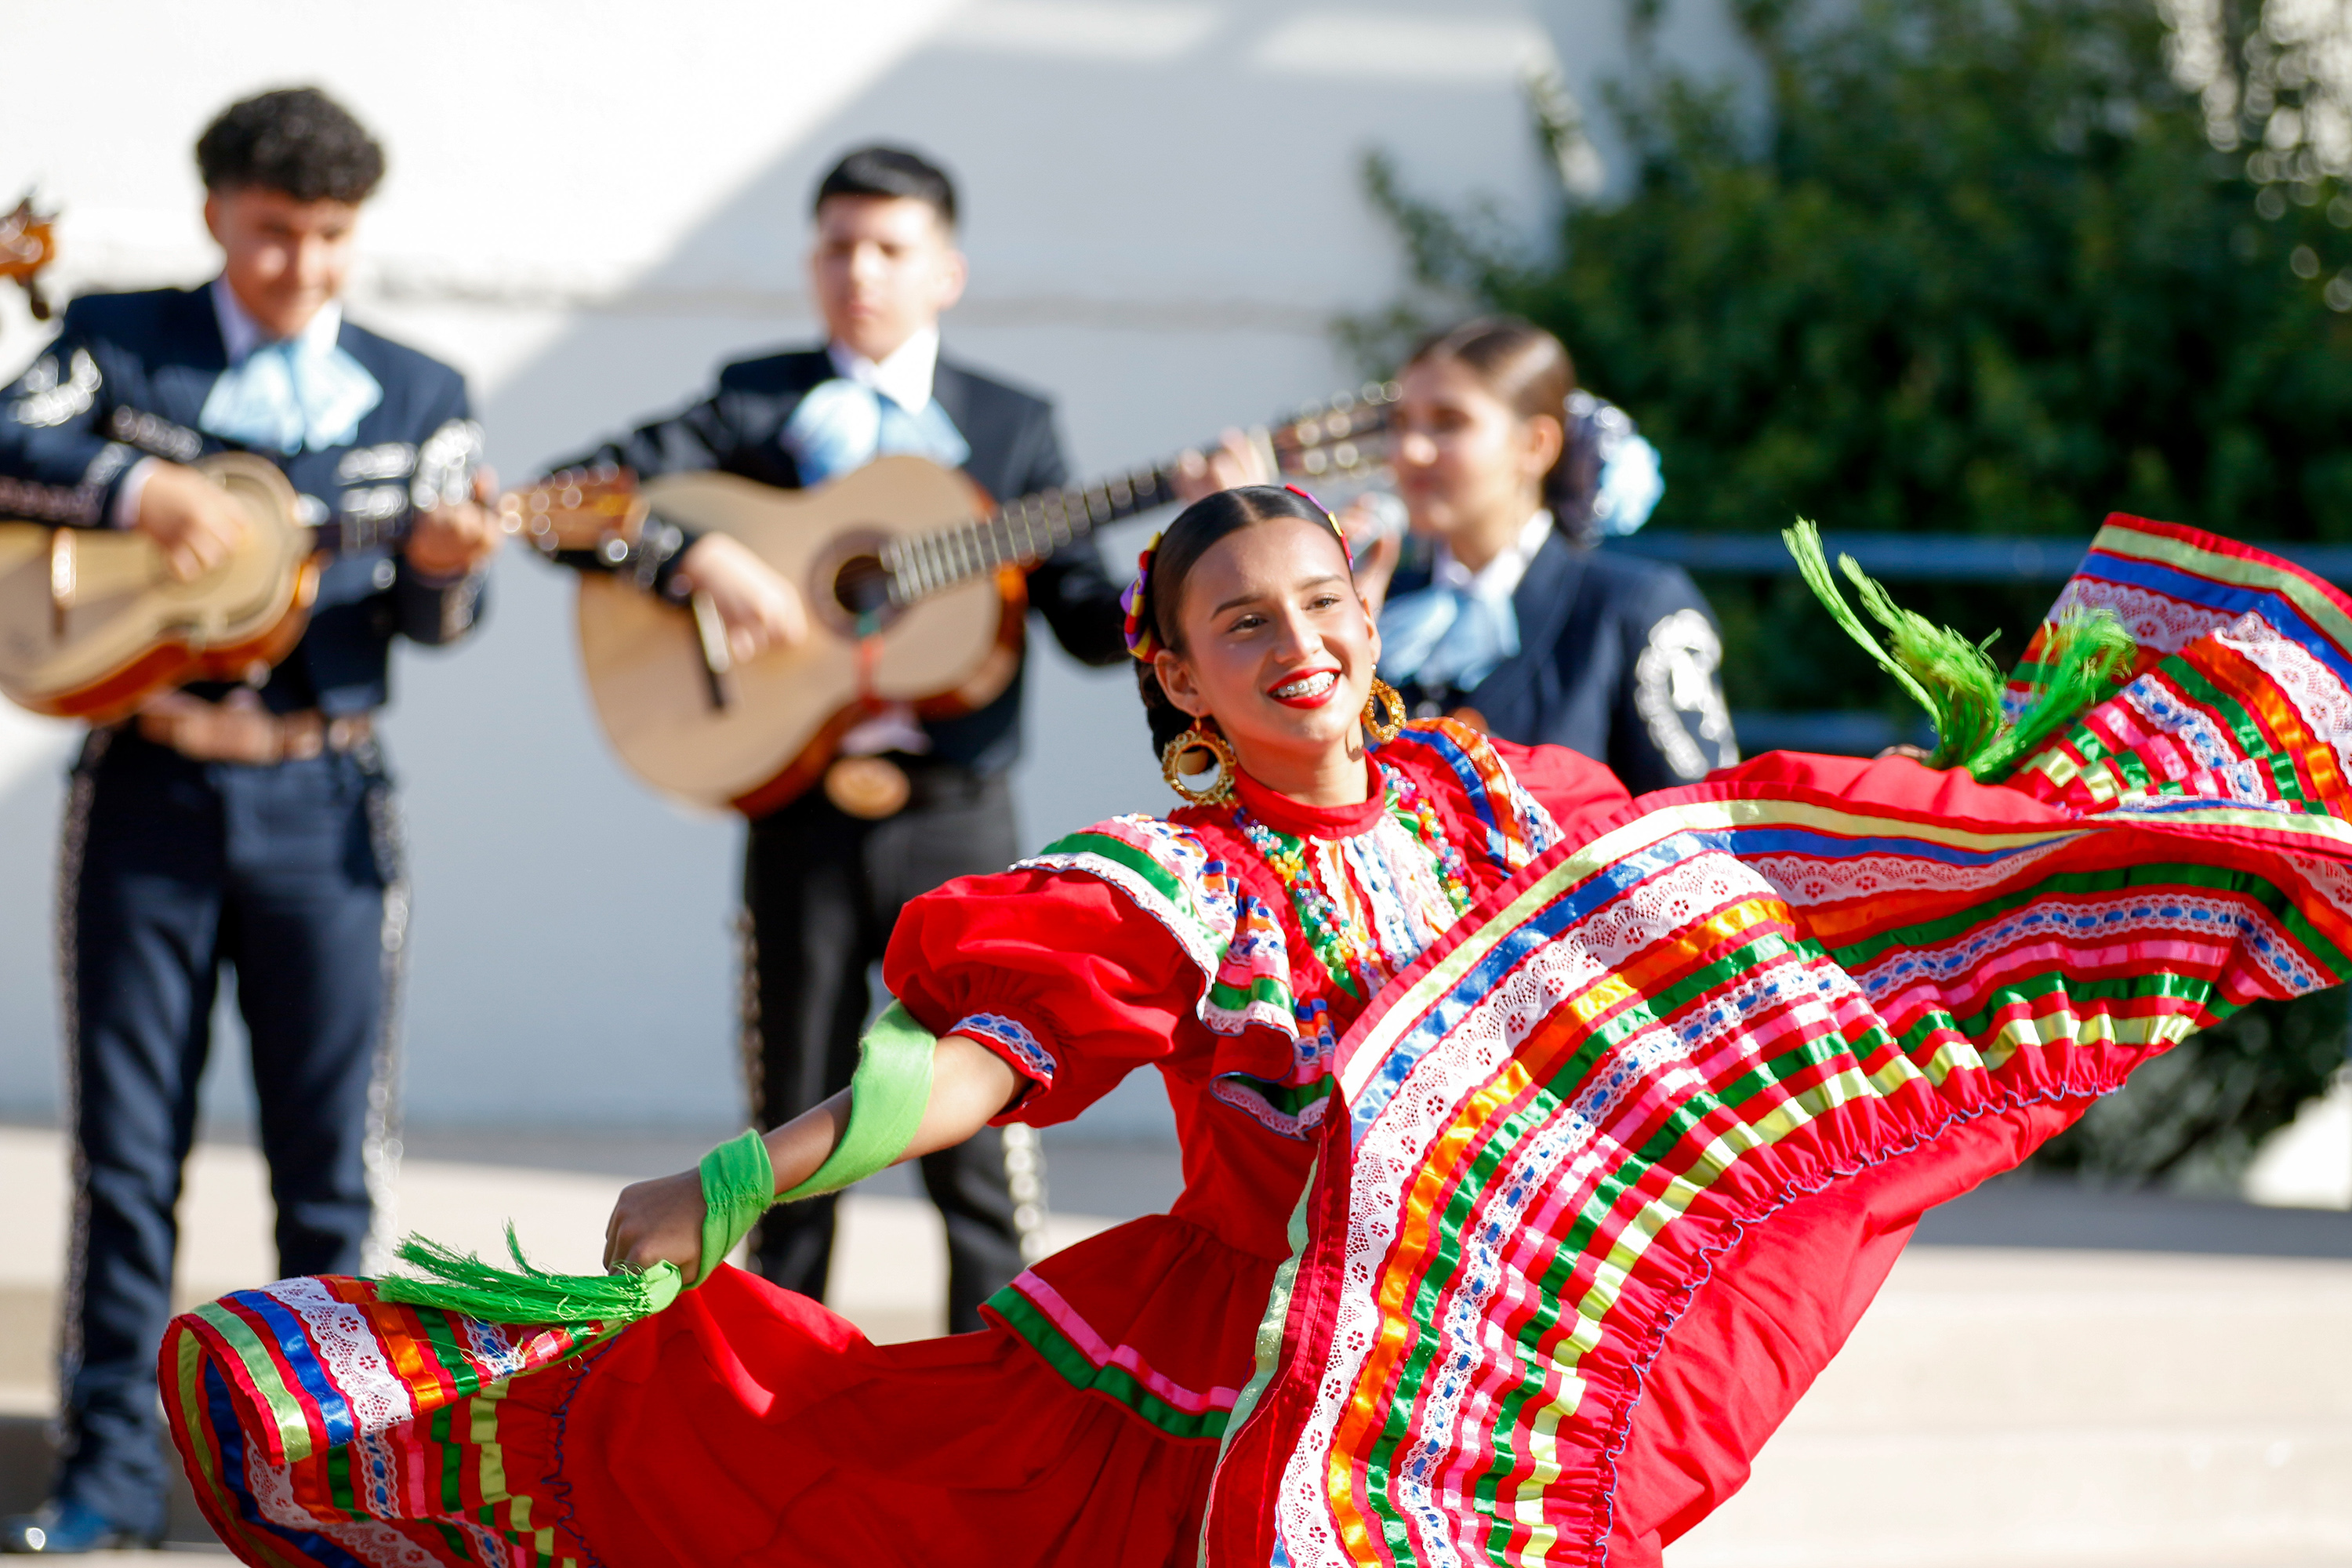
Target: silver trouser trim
[
  {"x": 380, "y": 1148},
  {"x": 751, "y": 1053},
  {"x": 1025, "y": 1178},
  {"x": 748, "y": 1045},
  {"x": 73, "y": 841}
]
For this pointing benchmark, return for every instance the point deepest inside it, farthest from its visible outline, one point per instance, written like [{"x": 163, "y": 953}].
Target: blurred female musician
[
  {"x": 1541, "y": 1145},
  {"x": 1501, "y": 607}
]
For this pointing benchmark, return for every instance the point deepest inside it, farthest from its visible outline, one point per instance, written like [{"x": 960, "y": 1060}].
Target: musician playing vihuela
[
  {"x": 243, "y": 820},
  {"x": 907, "y": 797}
]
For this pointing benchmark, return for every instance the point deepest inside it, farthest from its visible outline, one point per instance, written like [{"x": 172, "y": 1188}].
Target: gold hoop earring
[
  {"x": 1197, "y": 739},
  {"x": 1384, "y": 713}
]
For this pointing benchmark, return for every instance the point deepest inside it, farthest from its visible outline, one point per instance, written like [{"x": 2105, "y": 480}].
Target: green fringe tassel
[
  {"x": 1954, "y": 680},
  {"x": 2087, "y": 655},
  {"x": 462, "y": 1282},
  {"x": 1963, "y": 686}
]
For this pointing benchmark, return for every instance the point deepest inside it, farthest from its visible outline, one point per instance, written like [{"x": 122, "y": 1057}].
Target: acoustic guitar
[
  {"x": 93, "y": 622},
  {"x": 914, "y": 584}
]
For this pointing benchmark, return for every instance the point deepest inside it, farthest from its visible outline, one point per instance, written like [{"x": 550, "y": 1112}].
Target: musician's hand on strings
[
  {"x": 1235, "y": 461},
  {"x": 194, "y": 522},
  {"x": 758, "y": 606},
  {"x": 458, "y": 540},
  {"x": 658, "y": 1221},
  {"x": 1375, "y": 545}
]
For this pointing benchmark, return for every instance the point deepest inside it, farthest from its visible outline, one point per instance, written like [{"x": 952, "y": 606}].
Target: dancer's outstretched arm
[{"x": 660, "y": 1221}]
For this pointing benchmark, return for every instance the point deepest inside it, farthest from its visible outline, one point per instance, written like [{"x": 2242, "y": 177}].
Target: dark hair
[
  {"x": 1195, "y": 532},
  {"x": 890, "y": 171},
  {"x": 296, "y": 140},
  {"x": 1529, "y": 371}
]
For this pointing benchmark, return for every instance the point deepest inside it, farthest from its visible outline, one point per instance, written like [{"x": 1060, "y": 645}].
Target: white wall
[{"x": 589, "y": 207}]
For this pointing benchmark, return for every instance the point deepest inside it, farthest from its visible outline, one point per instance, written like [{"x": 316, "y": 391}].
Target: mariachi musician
[
  {"x": 1495, "y": 607},
  {"x": 1501, "y": 609},
  {"x": 916, "y": 801},
  {"x": 252, "y": 825}
]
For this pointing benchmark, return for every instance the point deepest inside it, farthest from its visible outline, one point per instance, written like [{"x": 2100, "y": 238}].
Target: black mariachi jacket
[
  {"x": 127, "y": 377},
  {"x": 1618, "y": 658},
  {"x": 738, "y": 429}
]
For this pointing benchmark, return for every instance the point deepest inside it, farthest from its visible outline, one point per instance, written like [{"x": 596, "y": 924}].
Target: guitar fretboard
[{"x": 1020, "y": 534}]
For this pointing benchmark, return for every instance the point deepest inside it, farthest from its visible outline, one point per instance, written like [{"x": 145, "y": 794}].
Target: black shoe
[{"x": 62, "y": 1529}]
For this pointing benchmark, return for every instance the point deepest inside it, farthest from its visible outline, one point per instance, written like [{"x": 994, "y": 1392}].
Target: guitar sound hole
[{"x": 862, "y": 586}]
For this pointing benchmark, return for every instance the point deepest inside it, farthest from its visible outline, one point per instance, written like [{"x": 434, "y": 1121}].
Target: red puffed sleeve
[
  {"x": 1569, "y": 784},
  {"x": 1057, "y": 971}
]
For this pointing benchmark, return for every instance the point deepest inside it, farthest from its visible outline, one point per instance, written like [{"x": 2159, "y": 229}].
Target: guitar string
[{"x": 944, "y": 557}]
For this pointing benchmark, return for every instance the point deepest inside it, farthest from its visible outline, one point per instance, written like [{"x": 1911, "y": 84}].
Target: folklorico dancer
[{"x": 1541, "y": 1144}]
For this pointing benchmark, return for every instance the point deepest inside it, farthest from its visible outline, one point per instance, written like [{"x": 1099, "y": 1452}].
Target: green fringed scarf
[
  {"x": 462, "y": 1282},
  {"x": 2086, "y": 656},
  {"x": 888, "y": 1095}
]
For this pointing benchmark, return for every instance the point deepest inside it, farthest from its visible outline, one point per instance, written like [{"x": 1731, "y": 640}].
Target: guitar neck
[
  {"x": 1328, "y": 438},
  {"x": 1020, "y": 534}
]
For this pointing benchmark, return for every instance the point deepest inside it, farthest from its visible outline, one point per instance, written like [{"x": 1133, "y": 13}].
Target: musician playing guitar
[
  {"x": 920, "y": 800},
  {"x": 250, "y": 825}
]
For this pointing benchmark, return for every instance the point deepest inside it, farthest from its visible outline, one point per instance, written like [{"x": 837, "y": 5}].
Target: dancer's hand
[{"x": 658, "y": 1221}]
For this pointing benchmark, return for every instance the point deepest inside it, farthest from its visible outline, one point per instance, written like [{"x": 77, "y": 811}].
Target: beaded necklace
[{"x": 1349, "y": 952}]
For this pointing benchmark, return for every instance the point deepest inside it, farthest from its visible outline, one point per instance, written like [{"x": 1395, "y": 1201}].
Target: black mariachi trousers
[
  {"x": 170, "y": 869},
  {"x": 822, "y": 890}
]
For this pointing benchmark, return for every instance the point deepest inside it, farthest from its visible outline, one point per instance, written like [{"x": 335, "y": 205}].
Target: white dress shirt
[
  {"x": 903, "y": 375},
  {"x": 1500, "y": 578}
]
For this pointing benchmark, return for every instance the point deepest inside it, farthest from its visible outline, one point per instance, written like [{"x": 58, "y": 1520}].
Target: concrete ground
[{"x": 2052, "y": 1378}]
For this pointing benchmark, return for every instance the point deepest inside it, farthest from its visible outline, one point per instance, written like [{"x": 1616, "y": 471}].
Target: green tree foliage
[
  {"x": 1978, "y": 267},
  {"x": 1982, "y": 272}
]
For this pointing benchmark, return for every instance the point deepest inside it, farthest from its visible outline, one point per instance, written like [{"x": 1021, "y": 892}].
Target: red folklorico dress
[{"x": 1539, "y": 1146}]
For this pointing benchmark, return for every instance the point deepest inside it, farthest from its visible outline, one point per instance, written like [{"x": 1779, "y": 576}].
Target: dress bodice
[{"x": 1231, "y": 946}]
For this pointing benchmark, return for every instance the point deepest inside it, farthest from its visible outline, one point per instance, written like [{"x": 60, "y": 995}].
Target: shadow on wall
[{"x": 1162, "y": 215}]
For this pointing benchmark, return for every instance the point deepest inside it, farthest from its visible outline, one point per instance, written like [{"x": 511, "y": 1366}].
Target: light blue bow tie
[
  {"x": 842, "y": 425},
  {"x": 291, "y": 395},
  {"x": 1446, "y": 635}
]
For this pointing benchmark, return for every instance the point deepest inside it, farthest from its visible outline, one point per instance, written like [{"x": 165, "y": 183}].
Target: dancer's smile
[{"x": 1308, "y": 689}]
